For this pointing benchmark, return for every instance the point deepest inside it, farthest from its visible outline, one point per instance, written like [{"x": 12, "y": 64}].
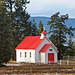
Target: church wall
[
  {"x": 37, "y": 53},
  {"x": 22, "y": 58}
]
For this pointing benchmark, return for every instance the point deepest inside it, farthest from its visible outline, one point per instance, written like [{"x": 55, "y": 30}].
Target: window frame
[
  {"x": 30, "y": 54},
  {"x": 25, "y": 54},
  {"x": 20, "y": 54}
]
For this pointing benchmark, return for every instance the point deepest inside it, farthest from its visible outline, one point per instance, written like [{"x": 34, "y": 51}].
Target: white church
[{"x": 36, "y": 49}]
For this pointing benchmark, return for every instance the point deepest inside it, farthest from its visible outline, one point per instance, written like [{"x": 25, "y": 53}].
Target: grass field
[{"x": 39, "y": 69}]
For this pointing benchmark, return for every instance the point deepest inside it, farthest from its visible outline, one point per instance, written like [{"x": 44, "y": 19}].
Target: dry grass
[
  {"x": 42, "y": 69},
  {"x": 27, "y": 68},
  {"x": 12, "y": 61}
]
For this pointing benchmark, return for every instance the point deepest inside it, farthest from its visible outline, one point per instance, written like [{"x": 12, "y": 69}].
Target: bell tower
[{"x": 43, "y": 34}]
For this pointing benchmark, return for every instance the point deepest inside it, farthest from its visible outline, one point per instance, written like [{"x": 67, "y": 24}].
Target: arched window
[
  {"x": 25, "y": 54},
  {"x": 30, "y": 54}
]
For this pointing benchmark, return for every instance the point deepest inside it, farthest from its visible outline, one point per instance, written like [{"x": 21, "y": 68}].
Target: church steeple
[{"x": 43, "y": 34}]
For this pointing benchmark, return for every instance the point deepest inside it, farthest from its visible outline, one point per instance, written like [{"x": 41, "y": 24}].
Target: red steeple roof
[
  {"x": 43, "y": 32},
  {"x": 45, "y": 47},
  {"x": 30, "y": 42}
]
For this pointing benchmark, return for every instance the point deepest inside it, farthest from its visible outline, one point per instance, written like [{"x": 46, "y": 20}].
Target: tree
[
  {"x": 1, "y": 2},
  {"x": 58, "y": 31},
  {"x": 69, "y": 49},
  {"x": 74, "y": 49},
  {"x": 21, "y": 26},
  {"x": 40, "y": 28},
  {"x": 19, "y": 21},
  {"x": 5, "y": 35},
  {"x": 70, "y": 46},
  {"x": 33, "y": 28}
]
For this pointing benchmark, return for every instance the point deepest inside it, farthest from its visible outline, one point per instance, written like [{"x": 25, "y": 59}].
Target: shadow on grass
[{"x": 2, "y": 65}]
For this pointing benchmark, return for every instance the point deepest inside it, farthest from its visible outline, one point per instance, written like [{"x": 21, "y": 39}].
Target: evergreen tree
[
  {"x": 10, "y": 4},
  {"x": 1, "y": 2},
  {"x": 69, "y": 50},
  {"x": 70, "y": 46},
  {"x": 33, "y": 28},
  {"x": 74, "y": 49},
  {"x": 40, "y": 28},
  {"x": 19, "y": 24},
  {"x": 22, "y": 24},
  {"x": 58, "y": 31},
  {"x": 5, "y": 35}
]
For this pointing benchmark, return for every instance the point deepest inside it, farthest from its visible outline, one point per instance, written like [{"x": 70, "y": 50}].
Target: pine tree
[
  {"x": 58, "y": 29},
  {"x": 5, "y": 35},
  {"x": 74, "y": 49},
  {"x": 70, "y": 46},
  {"x": 22, "y": 22},
  {"x": 69, "y": 50},
  {"x": 40, "y": 27},
  {"x": 33, "y": 28},
  {"x": 19, "y": 21},
  {"x": 10, "y": 12}
]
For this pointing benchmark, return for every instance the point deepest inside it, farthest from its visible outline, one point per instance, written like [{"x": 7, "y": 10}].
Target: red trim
[
  {"x": 45, "y": 47},
  {"x": 43, "y": 32}
]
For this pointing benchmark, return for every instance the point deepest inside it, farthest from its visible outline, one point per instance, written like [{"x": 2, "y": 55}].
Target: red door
[{"x": 50, "y": 57}]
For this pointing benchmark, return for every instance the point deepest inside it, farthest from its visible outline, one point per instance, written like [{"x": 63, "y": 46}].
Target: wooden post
[
  {"x": 11, "y": 58},
  {"x": 67, "y": 62},
  {"x": 68, "y": 56},
  {"x": 60, "y": 62}
]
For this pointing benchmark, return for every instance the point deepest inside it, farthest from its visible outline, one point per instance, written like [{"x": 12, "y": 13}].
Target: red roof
[
  {"x": 43, "y": 32},
  {"x": 45, "y": 47},
  {"x": 29, "y": 42}
]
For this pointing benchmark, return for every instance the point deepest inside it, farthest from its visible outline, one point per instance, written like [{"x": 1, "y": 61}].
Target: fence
[
  {"x": 25, "y": 68},
  {"x": 66, "y": 62},
  {"x": 68, "y": 57}
]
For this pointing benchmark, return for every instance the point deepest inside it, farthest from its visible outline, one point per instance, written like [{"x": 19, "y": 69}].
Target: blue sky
[{"x": 50, "y": 7}]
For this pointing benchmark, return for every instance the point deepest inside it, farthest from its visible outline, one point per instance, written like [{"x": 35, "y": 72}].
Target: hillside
[{"x": 68, "y": 23}]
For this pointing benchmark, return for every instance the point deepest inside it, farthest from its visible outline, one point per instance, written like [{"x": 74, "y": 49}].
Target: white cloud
[{"x": 44, "y": 7}]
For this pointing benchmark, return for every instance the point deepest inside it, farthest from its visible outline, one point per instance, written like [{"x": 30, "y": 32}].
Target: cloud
[{"x": 43, "y": 7}]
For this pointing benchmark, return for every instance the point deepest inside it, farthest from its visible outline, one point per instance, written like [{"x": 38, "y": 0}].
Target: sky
[{"x": 47, "y": 8}]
